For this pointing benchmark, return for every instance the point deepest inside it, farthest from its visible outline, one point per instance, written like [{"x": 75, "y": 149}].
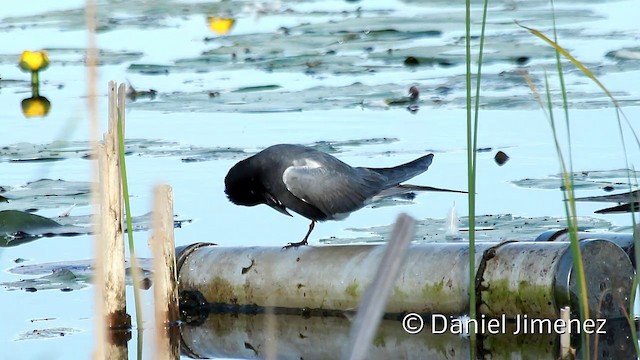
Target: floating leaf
[
  {"x": 489, "y": 228},
  {"x": 619, "y": 198},
  {"x": 19, "y": 227},
  {"x": 59, "y": 279},
  {"x": 257, "y": 88},
  {"x": 39, "y": 334},
  {"x": 149, "y": 69},
  {"x": 623, "y": 208},
  {"x": 47, "y": 193},
  {"x": 607, "y": 180},
  {"x": 64, "y": 276},
  {"x": 625, "y": 54}
]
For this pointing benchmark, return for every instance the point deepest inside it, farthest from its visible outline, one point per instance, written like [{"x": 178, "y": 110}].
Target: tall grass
[
  {"x": 471, "y": 180},
  {"x": 472, "y": 145},
  {"x": 567, "y": 172},
  {"x": 135, "y": 267}
]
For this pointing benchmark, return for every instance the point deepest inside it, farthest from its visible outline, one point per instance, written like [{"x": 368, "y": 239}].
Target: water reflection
[
  {"x": 285, "y": 336},
  {"x": 35, "y": 106}
]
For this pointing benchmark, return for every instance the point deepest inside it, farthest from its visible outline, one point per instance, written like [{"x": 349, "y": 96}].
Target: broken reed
[
  {"x": 164, "y": 274},
  {"x": 110, "y": 255}
]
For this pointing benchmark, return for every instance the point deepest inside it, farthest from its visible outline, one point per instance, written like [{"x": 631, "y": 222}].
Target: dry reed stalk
[
  {"x": 165, "y": 276},
  {"x": 92, "y": 109},
  {"x": 112, "y": 222}
]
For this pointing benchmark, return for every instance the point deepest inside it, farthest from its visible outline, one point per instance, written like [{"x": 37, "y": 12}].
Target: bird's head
[
  {"x": 243, "y": 185},
  {"x": 414, "y": 93}
]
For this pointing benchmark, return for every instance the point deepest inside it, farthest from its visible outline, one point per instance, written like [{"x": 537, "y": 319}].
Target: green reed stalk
[
  {"x": 572, "y": 222},
  {"x": 472, "y": 144},
  {"x": 134, "y": 260},
  {"x": 471, "y": 184},
  {"x": 619, "y": 116},
  {"x": 568, "y": 193}
]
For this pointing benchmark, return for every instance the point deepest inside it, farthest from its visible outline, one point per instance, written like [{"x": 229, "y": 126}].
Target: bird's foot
[{"x": 295, "y": 244}]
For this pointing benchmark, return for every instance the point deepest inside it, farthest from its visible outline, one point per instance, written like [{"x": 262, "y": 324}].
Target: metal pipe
[
  {"x": 624, "y": 240},
  {"x": 514, "y": 278}
]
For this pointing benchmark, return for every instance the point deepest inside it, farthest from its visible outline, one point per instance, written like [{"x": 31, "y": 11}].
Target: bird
[
  {"x": 413, "y": 97},
  {"x": 315, "y": 184}
]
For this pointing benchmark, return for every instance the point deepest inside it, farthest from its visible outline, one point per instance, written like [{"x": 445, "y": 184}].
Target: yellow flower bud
[
  {"x": 34, "y": 60},
  {"x": 37, "y": 106},
  {"x": 220, "y": 26}
]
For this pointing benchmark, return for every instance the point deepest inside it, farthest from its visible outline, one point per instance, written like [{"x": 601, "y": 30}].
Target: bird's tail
[
  {"x": 396, "y": 175},
  {"x": 406, "y": 189}
]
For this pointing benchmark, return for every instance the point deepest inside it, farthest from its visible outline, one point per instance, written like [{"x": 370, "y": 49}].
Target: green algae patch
[
  {"x": 501, "y": 298},
  {"x": 379, "y": 341},
  {"x": 399, "y": 295},
  {"x": 435, "y": 291},
  {"x": 352, "y": 289}
]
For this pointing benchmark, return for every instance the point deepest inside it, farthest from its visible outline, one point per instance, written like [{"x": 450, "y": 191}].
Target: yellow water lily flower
[
  {"x": 220, "y": 26},
  {"x": 37, "y": 106},
  {"x": 34, "y": 60}
]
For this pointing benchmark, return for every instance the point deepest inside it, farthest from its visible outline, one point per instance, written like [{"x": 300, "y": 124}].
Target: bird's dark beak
[{"x": 275, "y": 204}]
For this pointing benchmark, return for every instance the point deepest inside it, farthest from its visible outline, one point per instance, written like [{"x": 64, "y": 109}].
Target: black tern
[{"x": 315, "y": 184}]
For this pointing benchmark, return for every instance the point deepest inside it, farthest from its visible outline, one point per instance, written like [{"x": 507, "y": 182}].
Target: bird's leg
[{"x": 304, "y": 241}]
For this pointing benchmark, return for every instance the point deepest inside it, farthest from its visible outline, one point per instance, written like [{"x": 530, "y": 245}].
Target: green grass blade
[
  {"x": 569, "y": 57},
  {"x": 589, "y": 74},
  {"x": 570, "y": 212},
  {"x": 134, "y": 261},
  {"x": 619, "y": 116},
  {"x": 471, "y": 182},
  {"x": 569, "y": 194}
]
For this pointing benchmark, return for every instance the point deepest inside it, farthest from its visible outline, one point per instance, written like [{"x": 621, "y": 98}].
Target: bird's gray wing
[{"x": 331, "y": 191}]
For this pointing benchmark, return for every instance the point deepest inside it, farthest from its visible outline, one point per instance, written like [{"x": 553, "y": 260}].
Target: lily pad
[
  {"x": 66, "y": 56},
  {"x": 489, "y": 228},
  {"x": 65, "y": 276},
  {"x": 257, "y": 88},
  {"x": 46, "y": 194},
  {"x": 19, "y": 227},
  {"x": 584, "y": 180},
  {"x": 111, "y": 16},
  {"x": 619, "y": 198},
  {"x": 49, "y": 333},
  {"x": 270, "y": 99},
  {"x": 626, "y": 54},
  {"x": 138, "y": 223},
  {"x": 60, "y": 279},
  {"x": 620, "y": 209},
  {"x": 63, "y": 150},
  {"x": 149, "y": 69},
  {"x": 81, "y": 268}
]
